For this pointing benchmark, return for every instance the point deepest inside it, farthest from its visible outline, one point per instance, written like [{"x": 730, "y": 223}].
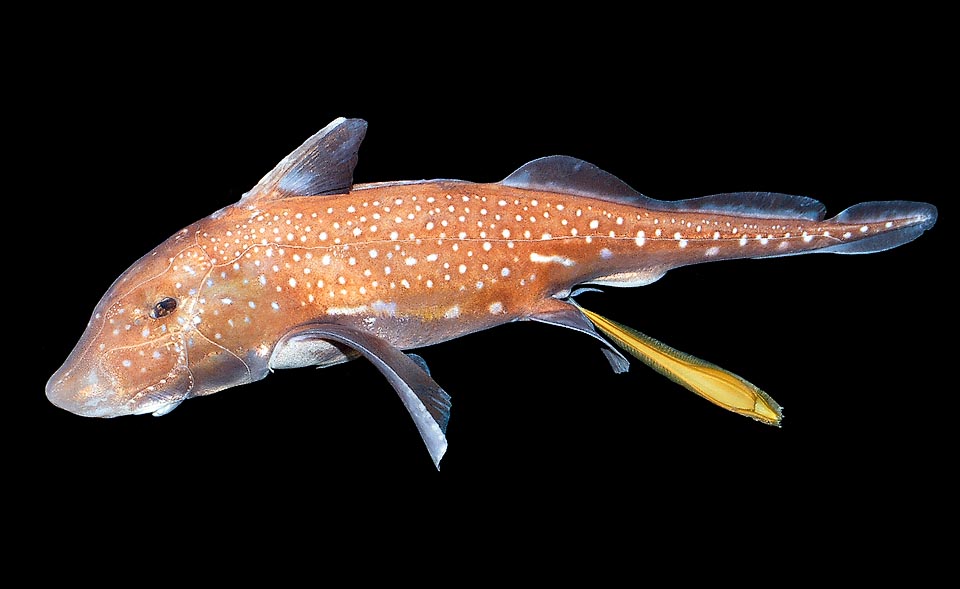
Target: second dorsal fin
[{"x": 569, "y": 175}]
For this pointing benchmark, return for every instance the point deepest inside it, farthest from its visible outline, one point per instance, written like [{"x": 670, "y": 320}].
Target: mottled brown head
[
  {"x": 142, "y": 351},
  {"x": 154, "y": 340}
]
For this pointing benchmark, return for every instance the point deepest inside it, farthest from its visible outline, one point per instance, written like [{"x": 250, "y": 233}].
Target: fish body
[{"x": 310, "y": 269}]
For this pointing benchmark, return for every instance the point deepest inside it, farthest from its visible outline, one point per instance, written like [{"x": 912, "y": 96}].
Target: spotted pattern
[
  {"x": 420, "y": 245},
  {"x": 456, "y": 257}
]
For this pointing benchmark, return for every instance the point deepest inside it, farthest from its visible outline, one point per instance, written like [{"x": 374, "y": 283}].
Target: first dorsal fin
[
  {"x": 324, "y": 164},
  {"x": 569, "y": 175}
]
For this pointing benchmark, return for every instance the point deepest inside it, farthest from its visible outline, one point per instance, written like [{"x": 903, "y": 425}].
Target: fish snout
[
  {"x": 94, "y": 392},
  {"x": 84, "y": 392}
]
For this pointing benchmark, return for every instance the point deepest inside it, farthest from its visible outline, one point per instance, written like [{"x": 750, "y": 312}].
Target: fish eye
[{"x": 164, "y": 307}]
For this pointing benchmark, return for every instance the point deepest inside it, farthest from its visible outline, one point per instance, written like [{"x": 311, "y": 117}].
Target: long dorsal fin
[
  {"x": 324, "y": 164},
  {"x": 569, "y": 175}
]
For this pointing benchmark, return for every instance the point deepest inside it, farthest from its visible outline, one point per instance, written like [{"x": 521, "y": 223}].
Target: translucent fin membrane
[{"x": 711, "y": 382}]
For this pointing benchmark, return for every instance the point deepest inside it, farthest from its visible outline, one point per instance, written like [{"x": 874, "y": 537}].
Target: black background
[{"x": 852, "y": 346}]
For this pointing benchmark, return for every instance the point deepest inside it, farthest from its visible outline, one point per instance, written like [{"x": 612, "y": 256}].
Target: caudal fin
[{"x": 906, "y": 219}]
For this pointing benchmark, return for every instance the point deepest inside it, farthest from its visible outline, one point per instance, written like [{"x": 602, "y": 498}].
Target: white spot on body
[
  {"x": 712, "y": 251},
  {"x": 347, "y": 310},
  {"x": 384, "y": 308},
  {"x": 496, "y": 308},
  {"x": 542, "y": 259}
]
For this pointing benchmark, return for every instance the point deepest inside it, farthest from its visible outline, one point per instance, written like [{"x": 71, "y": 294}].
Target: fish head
[{"x": 143, "y": 350}]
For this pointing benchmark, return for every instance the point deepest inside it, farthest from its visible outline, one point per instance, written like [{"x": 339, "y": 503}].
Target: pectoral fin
[
  {"x": 427, "y": 403},
  {"x": 707, "y": 380}
]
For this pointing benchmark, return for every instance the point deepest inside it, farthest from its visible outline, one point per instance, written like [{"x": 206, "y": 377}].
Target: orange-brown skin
[
  {"x": 453, "y": 257},
  {"x": 407, "y": 264}
]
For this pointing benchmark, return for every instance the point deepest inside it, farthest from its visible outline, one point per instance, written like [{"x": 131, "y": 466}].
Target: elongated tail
[{"x": 711, "y": 382}]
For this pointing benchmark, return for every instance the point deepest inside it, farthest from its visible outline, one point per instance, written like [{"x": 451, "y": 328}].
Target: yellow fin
[{"x": 711, "y": 382}]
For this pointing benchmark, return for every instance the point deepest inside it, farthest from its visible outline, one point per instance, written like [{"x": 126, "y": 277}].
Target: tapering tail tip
[
  {"x": 903, "y": 221},
  {"x": 925, "y": 214}
]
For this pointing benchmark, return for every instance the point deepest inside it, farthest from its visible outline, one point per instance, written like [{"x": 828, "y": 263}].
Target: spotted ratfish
[{"x": 309, "y": 269}]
